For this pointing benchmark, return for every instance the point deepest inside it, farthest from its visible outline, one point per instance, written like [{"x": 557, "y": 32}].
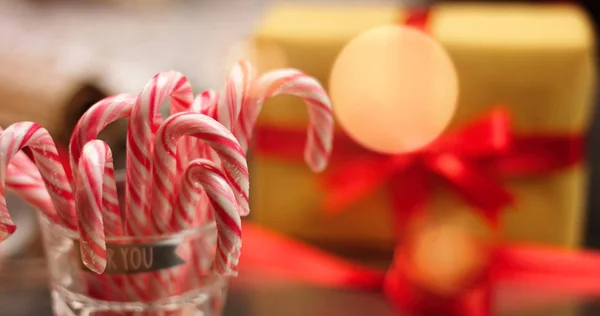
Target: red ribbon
[
  {"x": 537, "y": 268},
  {"x": 472, "y": 160}
]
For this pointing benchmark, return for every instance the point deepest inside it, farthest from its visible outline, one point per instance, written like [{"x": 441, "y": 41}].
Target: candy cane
[
  {"x": 27, "y": 134},
  {"x": 93, "y": 121},
  {"x": 196, "y": 248},
  {"x": 203, "y": 175},
  {"x": 234, "y": 94},
  {"x": 140, "y": 139},
  {"x": 293, "y": 82},
  {"x": 96, "y": 189},
  {"x": 213, "y": 134},
  {"x": 31, "y": 188},
  {"x": 145, "y": 119},
  {"x": 24, "y": 180},
  {"x": 189, "y": 148},
  {"x": 227, "y": 106},
  {"x": 95, "y": 159},
  {"x": 206, "y": 103}
]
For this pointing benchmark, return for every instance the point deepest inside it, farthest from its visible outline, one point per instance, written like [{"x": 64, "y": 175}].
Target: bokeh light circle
[
  {"x": 446, "y": 258},
  {"x": 394, "y": 89}
]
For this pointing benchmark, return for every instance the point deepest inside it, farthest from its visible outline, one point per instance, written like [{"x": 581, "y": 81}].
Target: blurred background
[{"x": 537, "y": 58}]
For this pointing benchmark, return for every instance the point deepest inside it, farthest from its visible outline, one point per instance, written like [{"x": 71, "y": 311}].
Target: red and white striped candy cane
[
  {"x": 95, "y": 159},
  {"x": 205, "y": 103},
  {"x": 293, "y": 82},
  {"x": 145, "y": 120},
  {"x": 226, "y": 108},
  {"x": 28, "y": 134},
  {"x": 31, "y": 188},
  {"x": 24, "y": 180},
  {"x": 93, "y": 121},
  {"x": 234, "y": 94},
  {"x": 189, "y": 148},
  {"x": 140, "y": 139},
  {"x": 203, "y": 175},
  {"x": 214, "y": 135}
]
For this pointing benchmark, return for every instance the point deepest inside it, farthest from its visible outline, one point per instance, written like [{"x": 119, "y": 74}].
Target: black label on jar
[{"x": 139, "y": 258}]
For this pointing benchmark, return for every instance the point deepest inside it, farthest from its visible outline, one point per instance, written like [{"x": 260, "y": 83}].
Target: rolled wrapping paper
[{"x": 40, "y": 89}]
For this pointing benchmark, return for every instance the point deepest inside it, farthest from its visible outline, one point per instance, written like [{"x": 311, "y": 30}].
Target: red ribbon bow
[{"x": 464, "y": 159}]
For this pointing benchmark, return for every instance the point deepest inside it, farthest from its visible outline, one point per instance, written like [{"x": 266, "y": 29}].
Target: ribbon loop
[
  {"x": 480, "y": 190},
  {"x": 456, "y": 157}
]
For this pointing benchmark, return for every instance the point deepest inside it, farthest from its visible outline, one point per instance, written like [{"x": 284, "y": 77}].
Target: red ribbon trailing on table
[
  {"x": 472, "y": 160},
  {"x": 267, "y": 253}
]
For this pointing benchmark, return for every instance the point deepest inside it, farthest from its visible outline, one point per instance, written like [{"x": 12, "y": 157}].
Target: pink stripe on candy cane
[
  {"x": 206, "y": 102},
  {"x": 290, "y": 81},
  {"x": 140, "y": 138},
  {"x": 95, "y": 159},
  {"x": 31, "y": 189},
  {"x": 25, "y": 165},
  {"x": 182, "y": 95},
  {"x": 203, "y": 175},
  {"x": 27, "y": 134},
  {"x": 213, "y": 134}
]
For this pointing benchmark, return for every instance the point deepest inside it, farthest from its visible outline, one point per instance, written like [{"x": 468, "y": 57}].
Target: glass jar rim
[
  {"x": 119, "y": 176},
  {"x": 131, "y": 239}
]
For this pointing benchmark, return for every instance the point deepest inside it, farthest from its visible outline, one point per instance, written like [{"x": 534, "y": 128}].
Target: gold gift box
[{"x": 538, "y": 60}]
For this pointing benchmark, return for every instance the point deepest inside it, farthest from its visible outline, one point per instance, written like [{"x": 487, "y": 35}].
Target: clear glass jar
[{"x": 149, "y": 275}]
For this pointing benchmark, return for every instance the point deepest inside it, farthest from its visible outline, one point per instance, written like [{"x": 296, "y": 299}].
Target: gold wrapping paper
[{"x": 535, "y": 59}]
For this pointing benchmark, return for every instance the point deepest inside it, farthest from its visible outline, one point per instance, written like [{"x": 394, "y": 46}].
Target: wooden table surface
[{"x": 24, "y": 292}]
